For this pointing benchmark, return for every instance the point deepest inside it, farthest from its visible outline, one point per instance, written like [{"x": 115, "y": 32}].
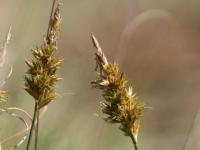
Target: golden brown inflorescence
[
  {"x": 41, "y": 74},
  {"x": 120, "y": 104}
]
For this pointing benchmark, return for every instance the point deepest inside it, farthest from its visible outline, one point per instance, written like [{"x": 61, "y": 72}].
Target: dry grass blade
[
  {"x": 25, "y": 131},
  {"x": 4, "y": 48},
  {"x": 2, "y": 62},
  {"x": 7, "y": 77}
]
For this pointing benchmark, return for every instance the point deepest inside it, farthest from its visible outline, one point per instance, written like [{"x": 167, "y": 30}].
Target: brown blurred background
[{"x": 155, "y": 42}]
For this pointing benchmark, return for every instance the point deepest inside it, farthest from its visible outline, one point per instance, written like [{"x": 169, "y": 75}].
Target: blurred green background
[{"x": 155, "y": 42}]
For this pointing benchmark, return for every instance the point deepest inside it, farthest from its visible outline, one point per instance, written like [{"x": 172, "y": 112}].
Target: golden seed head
[
  {"x": 41, "y": 74},
  {"x": 120, "y": 105}
]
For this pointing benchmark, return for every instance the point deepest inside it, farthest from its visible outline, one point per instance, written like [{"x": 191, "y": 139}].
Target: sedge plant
[
  {"x": 120, "y": 104},
  {"x": 41, "y": 75}
]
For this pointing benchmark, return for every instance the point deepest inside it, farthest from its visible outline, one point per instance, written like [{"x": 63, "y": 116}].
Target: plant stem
[
  {"x": 134, "y": 141},
  {"x": 37, "y": 128},
  {"x": 32, "y": 126}
]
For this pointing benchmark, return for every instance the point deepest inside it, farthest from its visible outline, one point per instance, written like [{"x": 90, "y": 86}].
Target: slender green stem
[
  {"x": 37, "y": 128},
  {"x": 134, "y": 141},
  {"x": 32, "y": 126}
]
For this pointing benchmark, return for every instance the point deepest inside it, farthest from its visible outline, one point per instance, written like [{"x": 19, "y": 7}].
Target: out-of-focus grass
[{"x": 161, "y": 60}]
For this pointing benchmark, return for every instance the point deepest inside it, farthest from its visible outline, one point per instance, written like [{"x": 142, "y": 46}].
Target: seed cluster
[
  {"x": 120, "y": 104},
  {"x": 41, "y": 73}
]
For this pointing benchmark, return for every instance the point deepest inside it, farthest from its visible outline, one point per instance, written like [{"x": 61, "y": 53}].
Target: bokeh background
[{"x": 155, "y": 42}]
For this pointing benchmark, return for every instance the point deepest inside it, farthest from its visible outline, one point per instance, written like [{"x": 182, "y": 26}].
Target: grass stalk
[
  {"x": 134, "y": 141},
  {"x": 41, "y": 75},
  {"x": 38, "y": 111},
  {"x": 37, "y": 128},
  {"x": 32, "y": 127}
]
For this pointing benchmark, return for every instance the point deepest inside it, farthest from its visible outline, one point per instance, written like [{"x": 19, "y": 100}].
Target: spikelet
[
  {"x": 41, "y": 74},
  {"x": 120, "y": 104}
]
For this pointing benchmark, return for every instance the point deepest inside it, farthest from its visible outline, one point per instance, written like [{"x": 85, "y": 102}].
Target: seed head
[
  {"x": 41, "y": 72},
  {"x": 120, "y": 104}
]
